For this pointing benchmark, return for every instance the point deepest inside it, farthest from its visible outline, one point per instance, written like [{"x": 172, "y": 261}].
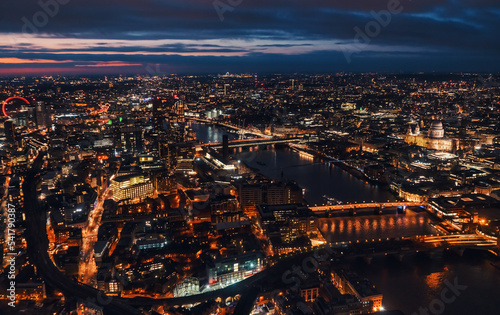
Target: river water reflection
[
  {"x": 316, "y": 177},
  {"x": 415, "y": 282},
  {"x": 344, "y": 229}
]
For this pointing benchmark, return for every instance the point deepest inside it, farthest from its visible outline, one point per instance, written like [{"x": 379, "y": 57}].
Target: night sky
[{"x": 252, "y": 36}]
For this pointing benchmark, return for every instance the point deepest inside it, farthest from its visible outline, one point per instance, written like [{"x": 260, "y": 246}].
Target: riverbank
[
  {"x": 352, "y": 170},
  {"x": 408, "y": 284},
  {"x": 311, "y": 154}
]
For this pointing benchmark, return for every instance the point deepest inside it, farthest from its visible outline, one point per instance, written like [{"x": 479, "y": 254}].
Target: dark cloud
[{"x": 454, "y": 35}]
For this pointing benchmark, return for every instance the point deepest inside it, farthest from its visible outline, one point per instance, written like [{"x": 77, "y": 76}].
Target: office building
[
  {"x": 134, "y": 186},
  {"x": 10, "y": 131}
]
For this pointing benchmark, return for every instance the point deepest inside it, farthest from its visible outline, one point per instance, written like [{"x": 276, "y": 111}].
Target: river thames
[
  {"x": 315, "y": 176},
  {"x": 417, "y": 281}
]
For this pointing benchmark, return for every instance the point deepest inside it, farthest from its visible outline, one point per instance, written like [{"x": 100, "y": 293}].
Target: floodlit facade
[{"x": 131, "y": 187}]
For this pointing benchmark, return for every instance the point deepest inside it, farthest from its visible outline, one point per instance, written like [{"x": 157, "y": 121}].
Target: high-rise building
[
  {"x": 10, "y": 131},
  {"x": 157, "y": 115},
  {"x": 25, "y": 117},
  {"x": 132, "y": 139},
  {"x": 177, "y": 113},
  {"x": 250, "y": 197},
  {"x": 42, "y": 115},
  {"x": 185, "y": 154}
]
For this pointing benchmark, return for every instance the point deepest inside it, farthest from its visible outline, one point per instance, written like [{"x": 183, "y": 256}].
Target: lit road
[
  {"x": 4, "y": 207},
  {"x": 38, "y": 245},
  {"x": 87, "y": 267},
  {"x": 36, "y": 236}
]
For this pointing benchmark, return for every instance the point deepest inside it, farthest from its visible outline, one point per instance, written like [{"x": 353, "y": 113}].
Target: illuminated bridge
[
  {"x": 241, "y": 130},
  {"x": 353, "y": 206},
  {"x": 459, "y": 240},
  {"x": 253, "y": 142}
]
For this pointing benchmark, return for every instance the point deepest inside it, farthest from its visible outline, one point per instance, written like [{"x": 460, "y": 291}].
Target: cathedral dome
[{"x": 436, "y": 130}]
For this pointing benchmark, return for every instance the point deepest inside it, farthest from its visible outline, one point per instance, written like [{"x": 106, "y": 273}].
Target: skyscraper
[
  {"x": 157, "y": 116},
  {"x": 132, "y": 139},
  {"x": 42, "y": 115},
  {"x": 10, "y": 131},
  {"x": 177, "y": 113}
]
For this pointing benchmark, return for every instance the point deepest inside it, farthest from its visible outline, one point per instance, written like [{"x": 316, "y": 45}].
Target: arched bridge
[
  {"x": 252, "y": 142},
  {"x": 352, "y": 206},
  {"x": 459, "y": 240}
]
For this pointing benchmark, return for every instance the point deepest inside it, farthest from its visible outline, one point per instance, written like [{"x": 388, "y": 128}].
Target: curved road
[{"x": 38, "y": 245}]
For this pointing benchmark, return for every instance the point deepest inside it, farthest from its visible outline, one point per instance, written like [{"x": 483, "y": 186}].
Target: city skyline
[
  {"x": 248, "y": 194},
  {"x": 152, "y": 37},
  {"x": 250, "y": 157}
]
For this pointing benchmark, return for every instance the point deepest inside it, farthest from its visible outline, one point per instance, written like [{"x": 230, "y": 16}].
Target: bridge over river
[
  {"x": 252, "y": 142},
  {"x": 352, "y": 206},
  {"x": 37, "y": 244}
]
